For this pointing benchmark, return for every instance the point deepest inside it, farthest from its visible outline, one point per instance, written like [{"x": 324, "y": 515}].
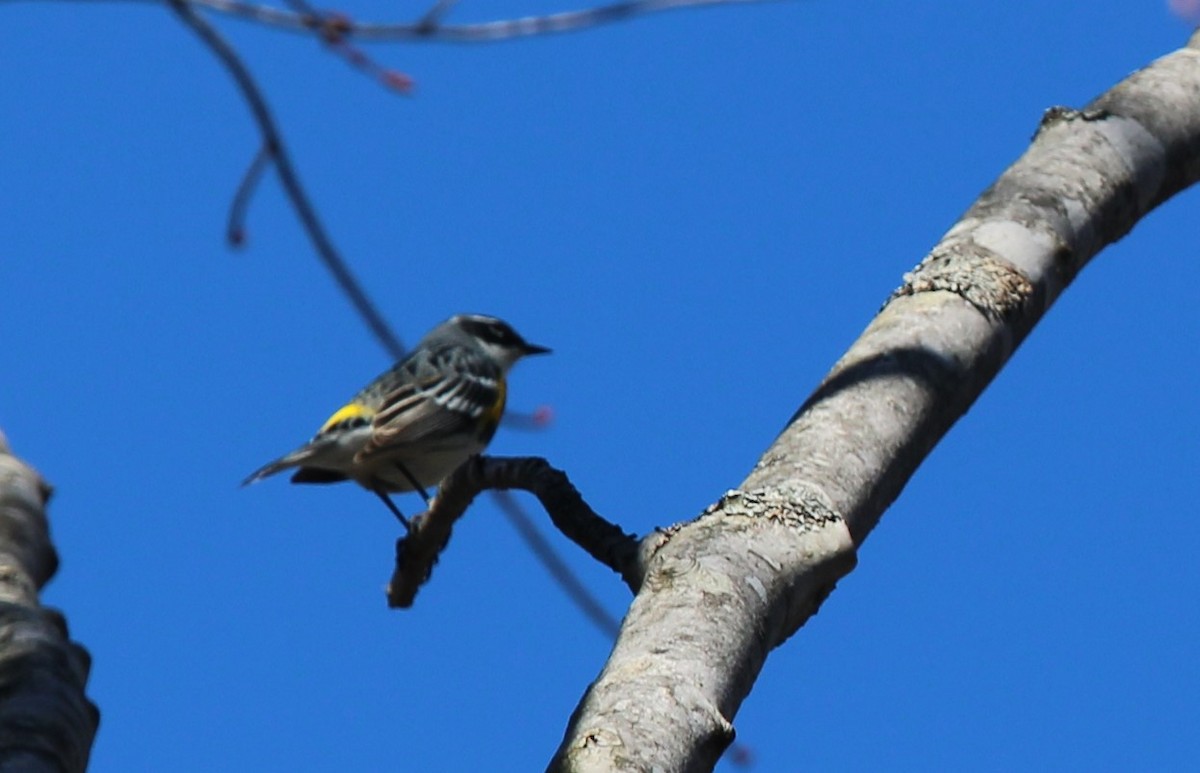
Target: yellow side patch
[
  {"x": 491, "y": 417},
  {"x": 497, "y": 409},
  {"x": 346, "y": 413}
]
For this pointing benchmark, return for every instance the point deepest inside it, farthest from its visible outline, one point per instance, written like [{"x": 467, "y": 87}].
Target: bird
[{"x": 418, "y": 421}]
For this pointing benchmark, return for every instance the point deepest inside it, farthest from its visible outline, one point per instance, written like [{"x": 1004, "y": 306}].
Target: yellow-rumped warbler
[{"x": 416, "y": 423}]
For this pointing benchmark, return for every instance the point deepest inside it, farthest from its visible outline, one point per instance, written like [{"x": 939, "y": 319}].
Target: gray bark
[
  {"x": 720, "y": 592},
  {"x": 46, "y": 722}
]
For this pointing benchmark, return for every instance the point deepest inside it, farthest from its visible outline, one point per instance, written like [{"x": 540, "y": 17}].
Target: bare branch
[
  {"x": 483, "y": 32},
  {"x": 562, "y": 574},
  {"x": 274, "y": 147},
  {"x": 418, "y": 551},
  {"x": 538, "y": 420},
  {"x": 235, "y": 227},
  {"x": 436, "y": 13},
  {"x": 730, "y": 586},
  {"x": 332, "y": 27}
]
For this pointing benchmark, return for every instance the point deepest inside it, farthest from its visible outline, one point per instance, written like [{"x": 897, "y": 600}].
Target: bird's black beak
[{"x": 535, "y": 349}]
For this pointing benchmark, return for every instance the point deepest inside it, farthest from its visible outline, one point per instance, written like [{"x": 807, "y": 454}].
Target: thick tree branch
[
  {"x": 419, "y": 550},
  {"x": 46, "y": 720},
  {"x": 727, "y": 588}
]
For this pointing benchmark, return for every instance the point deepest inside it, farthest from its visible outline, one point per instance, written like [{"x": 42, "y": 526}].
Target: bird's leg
[
  {"x": 379, "y": 492},
  {"x": 416, "y": 486}
]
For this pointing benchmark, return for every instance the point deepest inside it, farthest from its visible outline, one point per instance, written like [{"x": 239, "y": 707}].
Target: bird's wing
[{"x": 443, "y": 400}]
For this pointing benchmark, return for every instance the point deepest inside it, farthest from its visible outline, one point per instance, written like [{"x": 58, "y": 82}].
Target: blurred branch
[
  {"x": 46, "y": 719},
  {"x": 417, "y": 552},
  {"x": 562, "y": 574},
  {"x": 235, "y": 229},
  {"x": 432, "y": 17},
  {"x": 273, "y": 147},
  {"x": 542, "y": 417},
  {"x": 331, "y": 27},
  {"x": 429, "y": 28}
]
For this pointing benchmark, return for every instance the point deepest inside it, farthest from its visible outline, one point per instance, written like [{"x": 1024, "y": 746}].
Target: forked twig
[
  {"x": 417, "y": 552},
  {"x": 273, "y": 147},
  {"x": 482, "y": 32}
]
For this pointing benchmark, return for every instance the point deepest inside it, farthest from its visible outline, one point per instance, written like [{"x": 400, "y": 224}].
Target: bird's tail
[{"x": 294, "y": 459}]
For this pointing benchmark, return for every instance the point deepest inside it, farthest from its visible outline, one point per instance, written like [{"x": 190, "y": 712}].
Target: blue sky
[{"x": 698, "y": 212}]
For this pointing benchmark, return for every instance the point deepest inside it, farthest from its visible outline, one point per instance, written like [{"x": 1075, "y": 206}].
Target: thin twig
[
  {"x": 562, "y": 574},
  {"x": 538, "y": 420},
  {"x": 235, "y": 229},
  {"x": 331, "y": 27},
  {"x": 273, "y": 146},
  {"x": 435, "y": 14},
  {"x": 483, "y": 32}
]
